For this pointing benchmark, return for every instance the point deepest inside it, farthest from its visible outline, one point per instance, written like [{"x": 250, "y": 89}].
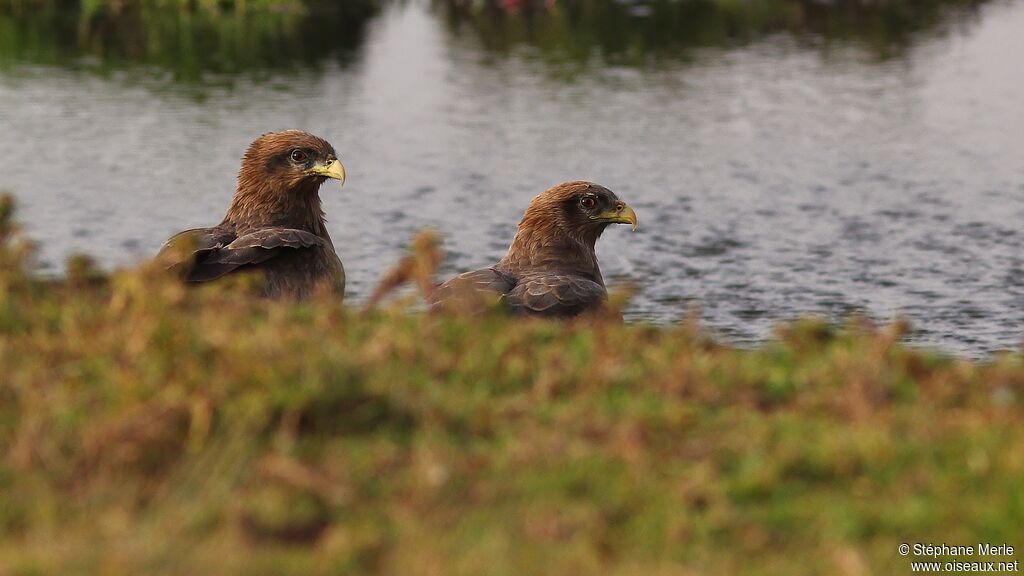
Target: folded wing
[
  {"x": 538, "y": 294},
  {"x": 464, "y": 291},
  {"x": 552, "y": 294},
  {"x": 216, "y": 252}
]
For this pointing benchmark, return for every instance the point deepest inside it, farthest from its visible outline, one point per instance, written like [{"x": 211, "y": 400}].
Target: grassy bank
[
  {"x": 206, "y": 40},
  {"x": 182, "y": 41},
  {"x": 149, "y": 429}
]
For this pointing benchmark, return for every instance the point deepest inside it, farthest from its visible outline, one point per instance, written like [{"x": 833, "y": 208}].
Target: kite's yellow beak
[
  {"x": 332, "y": 169},
  {"x": 621, "y": 213}
]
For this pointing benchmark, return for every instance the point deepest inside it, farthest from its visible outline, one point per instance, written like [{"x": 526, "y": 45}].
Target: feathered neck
[
  {"x": 545, "y": 241},
  {"x": 266, "y": 203}
]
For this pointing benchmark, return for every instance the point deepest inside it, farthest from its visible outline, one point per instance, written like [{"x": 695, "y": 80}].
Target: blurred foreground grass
[{"x": 150, "y": 429}]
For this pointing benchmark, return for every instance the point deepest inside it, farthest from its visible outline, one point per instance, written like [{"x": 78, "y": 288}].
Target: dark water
[{"x": 784, "y": 157}]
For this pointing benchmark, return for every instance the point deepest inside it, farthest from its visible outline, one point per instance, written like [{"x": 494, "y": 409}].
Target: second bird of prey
[{"x": 275, "y": 226}]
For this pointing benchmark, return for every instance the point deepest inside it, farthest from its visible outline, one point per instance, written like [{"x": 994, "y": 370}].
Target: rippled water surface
[{"x": 776, "y": 172}]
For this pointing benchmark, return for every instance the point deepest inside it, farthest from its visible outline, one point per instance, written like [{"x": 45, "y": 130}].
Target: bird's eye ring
[
  {"x": 298, "y": 156},
  {"x": 588, "y": 201}
]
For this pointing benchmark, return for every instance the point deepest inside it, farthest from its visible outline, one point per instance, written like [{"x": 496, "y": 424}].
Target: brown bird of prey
[
  {"x": 274, "y": 225},
  {"x": 550, "y": 268}
]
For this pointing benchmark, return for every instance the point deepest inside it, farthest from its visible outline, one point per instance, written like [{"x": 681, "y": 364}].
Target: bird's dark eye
[
  {"x": 588, "y": 202},
  {"x": 298, "y": 156}
]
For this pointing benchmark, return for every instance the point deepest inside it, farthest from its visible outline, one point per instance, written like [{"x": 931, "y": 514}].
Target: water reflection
[{"x": 631, "y": 31}]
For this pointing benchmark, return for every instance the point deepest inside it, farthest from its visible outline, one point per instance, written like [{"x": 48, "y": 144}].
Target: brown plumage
[
  {"x": 550, "y": 268},
  {"x": 274, "y": 225}
]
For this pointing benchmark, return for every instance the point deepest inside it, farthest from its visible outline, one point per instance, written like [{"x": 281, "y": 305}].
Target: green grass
[
  {"x": 199, "y": 42},
  {"x": 146, "y": 428},
  {"x": 164, "y": 43}
]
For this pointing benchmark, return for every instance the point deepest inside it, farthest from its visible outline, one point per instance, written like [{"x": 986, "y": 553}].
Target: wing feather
[
  {"x": 218, "y": 252},
  {"x": 467, "y": 288},
  {"x": 548, "y": 294}
]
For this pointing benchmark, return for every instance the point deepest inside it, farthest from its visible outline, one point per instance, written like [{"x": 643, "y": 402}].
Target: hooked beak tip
[{"x": 333, "y": 169}]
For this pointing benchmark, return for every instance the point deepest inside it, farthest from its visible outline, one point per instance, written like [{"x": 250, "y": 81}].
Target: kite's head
[
  {"x": 580, "y": 209},
  {"x": 289, "y": 161}
]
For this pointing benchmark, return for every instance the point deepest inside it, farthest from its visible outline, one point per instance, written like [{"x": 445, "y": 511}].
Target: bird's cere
[
  {"x": 333, "y": 169},
  {"x": 620, "y": 214},
  {"x": 626, "y": 215}
]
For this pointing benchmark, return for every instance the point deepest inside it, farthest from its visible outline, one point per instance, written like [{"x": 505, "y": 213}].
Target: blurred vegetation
[
  {"x": 632, "y": 31},
  {"x": 192, "y": 38},
  {"x": 146, "y": 428},
  {"x": 187, "y": 38}
]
